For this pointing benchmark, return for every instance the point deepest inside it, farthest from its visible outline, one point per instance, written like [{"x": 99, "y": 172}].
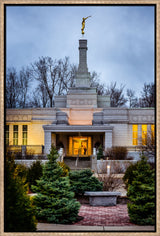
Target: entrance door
[
  {"x": 79, "y": 146},
  {"x": 76, "y": 147}
]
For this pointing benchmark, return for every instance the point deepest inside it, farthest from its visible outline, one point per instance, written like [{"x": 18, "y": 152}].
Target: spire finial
[{"x": 83, "y": 24}]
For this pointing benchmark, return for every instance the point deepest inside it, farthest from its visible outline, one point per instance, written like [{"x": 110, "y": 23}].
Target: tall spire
[
  {"x": 83, "y": 56},
  {"x": 83, "y": 76}
]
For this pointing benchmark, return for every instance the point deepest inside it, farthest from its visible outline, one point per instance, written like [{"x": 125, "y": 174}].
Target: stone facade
[{"x": 80, "y": 120}]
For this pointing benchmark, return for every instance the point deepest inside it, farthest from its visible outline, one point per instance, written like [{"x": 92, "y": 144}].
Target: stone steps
[{"x": 80, "y": 164}]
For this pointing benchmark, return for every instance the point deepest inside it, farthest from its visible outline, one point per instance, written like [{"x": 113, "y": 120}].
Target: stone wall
[{"x": 116, "y": 166}]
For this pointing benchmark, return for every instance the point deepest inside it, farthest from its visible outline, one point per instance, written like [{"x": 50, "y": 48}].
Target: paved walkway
[
  {"x": 104, "y": 216},
  {"x": 113, "y": 218}
]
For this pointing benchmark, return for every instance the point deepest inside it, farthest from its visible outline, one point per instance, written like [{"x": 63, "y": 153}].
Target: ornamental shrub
[
  {"x": 54, "y": 201},
  {"x": 100, "y": 153},
  {"x": 141, "y": 193},
  {"x": 130, "y": 174},
  {"x": 22, "y": 170},
  {"x": 117, "y": 153},
  {"x": 65, "y": 168},
  {"x": 82, "y": 180},
  {"x": 34, "y": 173},
  {"x": 19, "y": 212}
]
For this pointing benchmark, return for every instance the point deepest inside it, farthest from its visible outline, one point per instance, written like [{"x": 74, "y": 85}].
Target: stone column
[
  {"x": 108, "y": 139},
  {"x": 149, "y": 129},
  {"x": 47, "y": 142}
]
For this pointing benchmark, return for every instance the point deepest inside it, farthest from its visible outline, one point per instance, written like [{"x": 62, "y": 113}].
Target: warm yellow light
[
  {"x": 144, "y": 134},
  {"x": 80, "y": 146},
  {"x": 70, "y": 145},
  {"x": 135, "y": 134},
  {"x": 153, "y": 134}
]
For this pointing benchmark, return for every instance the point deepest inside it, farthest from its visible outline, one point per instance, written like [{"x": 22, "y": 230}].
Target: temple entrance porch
[
  {"x": 77, "y": 140},
  {"x": 77, "y": 144}
]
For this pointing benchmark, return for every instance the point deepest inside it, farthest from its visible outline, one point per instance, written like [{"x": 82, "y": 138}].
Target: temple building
[{"x": 80, "y": 121}]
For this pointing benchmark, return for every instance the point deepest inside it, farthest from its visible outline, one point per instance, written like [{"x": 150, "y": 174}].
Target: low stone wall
[
  {"x": 100, "y": 166},
  {"x": 28, "y": 163},
  {"x": 113, "y": 166}
]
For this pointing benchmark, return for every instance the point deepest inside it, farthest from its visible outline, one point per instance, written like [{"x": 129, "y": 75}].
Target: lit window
[
  {"x": 144, "y": 134},
  {"x": 152, "y": 134},
  {"x": 135, "y": 134},
  {"x": 7, "y": 134},
  {"x": 24, "y": 135},
  {"x": 15, "y": 134}
]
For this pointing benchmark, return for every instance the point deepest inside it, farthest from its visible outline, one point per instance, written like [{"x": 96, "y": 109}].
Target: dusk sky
[{"x": 120, "y": 39}]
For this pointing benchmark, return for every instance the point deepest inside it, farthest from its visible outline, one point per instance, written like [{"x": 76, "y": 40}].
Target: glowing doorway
[{"x": 80, "y": 146}]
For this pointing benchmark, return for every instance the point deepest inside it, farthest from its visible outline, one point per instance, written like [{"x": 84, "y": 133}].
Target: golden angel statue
[{"x": 83, "y": 23}]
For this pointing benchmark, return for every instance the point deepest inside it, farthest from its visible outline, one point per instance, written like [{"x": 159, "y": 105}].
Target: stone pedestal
[{"x": 94, "y": 161}]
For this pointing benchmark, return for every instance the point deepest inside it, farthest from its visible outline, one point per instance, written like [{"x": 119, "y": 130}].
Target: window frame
[{"x": 15, "y": 135}]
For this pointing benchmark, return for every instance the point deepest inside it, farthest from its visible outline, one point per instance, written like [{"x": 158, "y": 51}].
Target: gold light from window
[
  {"x": 144, "y": 134},
  {"x": 152, "y": 134},
  {"x": 135, "y": 134}
]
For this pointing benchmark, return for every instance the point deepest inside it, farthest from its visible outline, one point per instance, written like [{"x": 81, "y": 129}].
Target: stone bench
[{"x": 102, "y": 198}]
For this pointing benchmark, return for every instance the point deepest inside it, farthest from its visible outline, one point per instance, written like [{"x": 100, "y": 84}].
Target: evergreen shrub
[
  {"x": 100, "y": 153},
  {"x": 54, "y": 201},
  {"x": 34, "y": 173},
  {"x": 130, "y": 174},
  {"x": 22, "y": 171},
  {"x": 82, "y": 180},
  {"x": 141, "y": 193},
  {"x": 19, "y": 212}
]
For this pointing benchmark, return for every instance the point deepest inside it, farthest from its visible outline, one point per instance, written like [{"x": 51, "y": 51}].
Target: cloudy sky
[{"x": 120, "y": 39}]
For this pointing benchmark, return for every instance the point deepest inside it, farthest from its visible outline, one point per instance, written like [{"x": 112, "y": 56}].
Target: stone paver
[{"x": 104, "y": 216}]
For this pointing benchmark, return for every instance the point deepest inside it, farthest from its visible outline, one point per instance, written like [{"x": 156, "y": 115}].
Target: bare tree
[
  {"x": 24, "y": 80},
  {"x": 39, "y": 97},
  {"x": 54, "y": 77},
  {"x": 95, "y": 82},
  {"x": 45, "y": 72},
  {"x": 148, "y": 146},
  {"x": 148, "y": 95},
  {"x": 133, "y": 100},
  {"x": 65, "y": 74},
  {"x": 12, "y": 88},
  {"x": 74, "y": 69},
  {"x": 116, "y": 95}
]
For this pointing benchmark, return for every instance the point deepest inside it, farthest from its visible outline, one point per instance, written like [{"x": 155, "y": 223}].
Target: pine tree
[
  {"x": 100, "y": 153},
  {"x": 82, "y": 180},
  {"x": 141, "y": 193},
  {"x": 19, "y": 212},
  {"x": 54, "y": 201}
]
